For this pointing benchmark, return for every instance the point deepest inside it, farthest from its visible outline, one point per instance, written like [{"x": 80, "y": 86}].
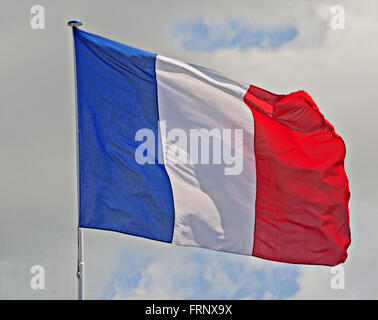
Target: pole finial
[{"x": 74, "y": 23}]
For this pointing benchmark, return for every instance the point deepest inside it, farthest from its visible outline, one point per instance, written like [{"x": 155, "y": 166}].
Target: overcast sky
[{"x": 282, "y": 46}]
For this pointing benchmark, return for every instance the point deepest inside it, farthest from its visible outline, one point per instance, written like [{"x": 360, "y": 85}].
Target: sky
[{"x": 282, "y": 46}]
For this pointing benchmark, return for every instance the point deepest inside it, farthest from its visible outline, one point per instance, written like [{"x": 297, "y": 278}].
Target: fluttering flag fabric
[{"x": 273, "y": 184}]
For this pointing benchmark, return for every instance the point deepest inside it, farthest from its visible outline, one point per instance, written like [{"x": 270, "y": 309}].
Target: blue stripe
[{"x": 117, "y": 95}]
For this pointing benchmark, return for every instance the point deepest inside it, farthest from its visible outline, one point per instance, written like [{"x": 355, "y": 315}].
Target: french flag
[{"x": 265, "y": 176}]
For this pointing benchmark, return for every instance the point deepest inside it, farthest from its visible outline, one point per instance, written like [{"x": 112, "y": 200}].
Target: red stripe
[{"x": 302, "y": 189}]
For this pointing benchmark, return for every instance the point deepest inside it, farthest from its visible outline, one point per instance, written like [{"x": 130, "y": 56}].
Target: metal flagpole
[
  {"x": 80, "y": 247},
  {"x": 80, "y": 265}
]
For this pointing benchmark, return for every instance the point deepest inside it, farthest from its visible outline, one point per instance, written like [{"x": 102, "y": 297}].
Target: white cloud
[
  {"x": 229, "y": 33},
  {"x": 187, "y": 273}
]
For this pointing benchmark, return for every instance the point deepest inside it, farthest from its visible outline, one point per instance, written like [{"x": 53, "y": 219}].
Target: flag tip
[{"x": 74, "y": 23}]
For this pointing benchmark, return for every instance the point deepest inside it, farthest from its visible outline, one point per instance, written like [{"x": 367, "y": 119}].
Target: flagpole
[
  {"x": 80, "y": 265},
  {"x": 80, "y": 243}
]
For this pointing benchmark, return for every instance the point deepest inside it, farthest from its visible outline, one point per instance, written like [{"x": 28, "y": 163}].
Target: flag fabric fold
[{"x": 273, "y": 184}]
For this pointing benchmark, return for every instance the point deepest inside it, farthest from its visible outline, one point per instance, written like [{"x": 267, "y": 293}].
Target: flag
[{"x": 179, "y": 153}]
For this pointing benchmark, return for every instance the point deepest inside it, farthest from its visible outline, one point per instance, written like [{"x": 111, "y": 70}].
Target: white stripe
[{"x": 212, "y": 210}]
